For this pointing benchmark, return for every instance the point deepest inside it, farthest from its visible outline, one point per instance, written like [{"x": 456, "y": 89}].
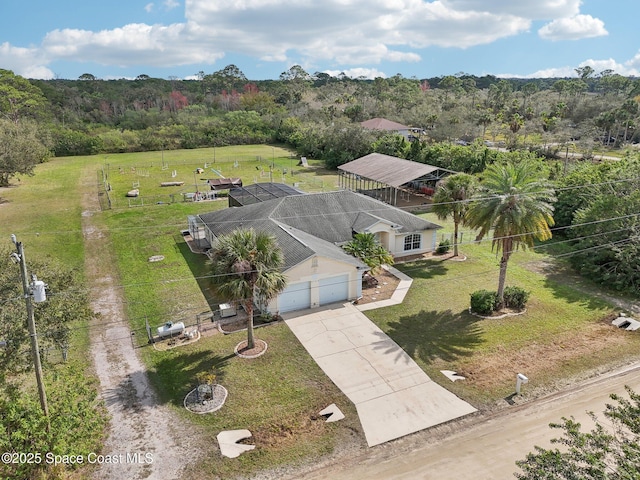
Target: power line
[
  {"x": 375, "y": 210},
  {"x": 210, "y": 276}
]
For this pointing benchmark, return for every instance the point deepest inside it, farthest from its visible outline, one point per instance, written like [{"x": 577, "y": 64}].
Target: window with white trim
[{"x": 412, "y": 242}]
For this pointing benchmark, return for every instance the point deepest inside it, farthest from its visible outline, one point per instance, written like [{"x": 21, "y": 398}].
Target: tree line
[{"x": 311, "y": 112}]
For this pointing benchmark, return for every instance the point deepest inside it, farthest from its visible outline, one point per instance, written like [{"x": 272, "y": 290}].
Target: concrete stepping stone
[
  {"x": 228, "y": 442},
  {"x": 627, "y": 323},
  {"x": 333, "y": 413},
  {"x": 451, "y": 375}
]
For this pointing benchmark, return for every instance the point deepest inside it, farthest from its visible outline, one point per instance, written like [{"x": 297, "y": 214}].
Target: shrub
[
  {"x": 515, "y": 297},
  {"x": 483, "y": 301},
  {"x": 443, "y": 247}
]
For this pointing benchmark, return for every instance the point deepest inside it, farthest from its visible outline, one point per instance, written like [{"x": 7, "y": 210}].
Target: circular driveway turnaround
[{"x": 393, "y": 396}]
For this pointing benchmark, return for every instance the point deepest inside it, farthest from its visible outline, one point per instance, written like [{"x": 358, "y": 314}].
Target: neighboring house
[
  {"x": 387, "y": 125},
  {"x": 310, "y": 229}
]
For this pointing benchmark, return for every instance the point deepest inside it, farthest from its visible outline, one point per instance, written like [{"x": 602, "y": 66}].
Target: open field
[
  {"x": 190, "y": 170},
  {"x": 561, "y": 336}
]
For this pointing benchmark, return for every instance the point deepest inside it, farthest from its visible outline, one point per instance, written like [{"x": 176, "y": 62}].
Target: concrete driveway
[{"x": 393, "y": 396}]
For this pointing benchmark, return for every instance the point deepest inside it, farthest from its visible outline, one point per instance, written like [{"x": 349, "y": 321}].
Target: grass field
[
  {"x": 192, "y": 168},
  {"x": 562, "y": 335}
]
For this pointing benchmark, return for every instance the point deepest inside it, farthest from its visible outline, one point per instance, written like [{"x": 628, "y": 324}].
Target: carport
[{"x": 386, "y": 178}]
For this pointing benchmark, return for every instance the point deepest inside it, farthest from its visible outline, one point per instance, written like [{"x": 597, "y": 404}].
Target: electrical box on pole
[{"x": 39, "y": 293}]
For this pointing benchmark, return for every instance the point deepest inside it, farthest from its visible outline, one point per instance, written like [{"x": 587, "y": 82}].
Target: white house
[{"x": 310, "y": 230}]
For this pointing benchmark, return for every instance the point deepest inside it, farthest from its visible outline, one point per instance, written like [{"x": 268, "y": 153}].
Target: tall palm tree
[
  {"x": 516, "y": 204},
  {"x": 246, "y": 265},
  {"x": 451, "y": 200}
]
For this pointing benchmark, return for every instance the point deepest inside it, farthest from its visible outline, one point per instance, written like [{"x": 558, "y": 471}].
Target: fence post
[{"x": 148, "y": 328}]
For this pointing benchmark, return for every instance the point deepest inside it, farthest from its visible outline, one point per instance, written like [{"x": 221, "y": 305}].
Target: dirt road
[
  {"x": 145, "y": 438},
  {"x": 487, "y": 449}
]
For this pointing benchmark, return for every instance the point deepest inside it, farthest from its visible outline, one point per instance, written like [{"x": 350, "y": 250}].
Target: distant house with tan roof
[{"x": 387, "y": 125}]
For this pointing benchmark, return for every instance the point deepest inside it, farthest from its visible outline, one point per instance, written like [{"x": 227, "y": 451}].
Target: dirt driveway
[{"x": 147, "y": 436}]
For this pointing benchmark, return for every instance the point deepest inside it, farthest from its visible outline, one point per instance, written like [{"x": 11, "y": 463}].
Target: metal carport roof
[{"x": 392, "y": 171}]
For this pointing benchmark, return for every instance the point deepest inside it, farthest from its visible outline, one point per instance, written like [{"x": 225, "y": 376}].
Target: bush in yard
[
  {"x": 516, "y": 297},
  {"x": 443, "y": 247},
  {"x": 483, "y": 301}
]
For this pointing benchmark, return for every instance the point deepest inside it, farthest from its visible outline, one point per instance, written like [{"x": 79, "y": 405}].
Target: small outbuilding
[{"x": 387, "y": 178}]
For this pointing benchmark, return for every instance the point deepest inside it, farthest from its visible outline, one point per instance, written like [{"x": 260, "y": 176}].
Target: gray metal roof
[{"x": 386, "y": 169}]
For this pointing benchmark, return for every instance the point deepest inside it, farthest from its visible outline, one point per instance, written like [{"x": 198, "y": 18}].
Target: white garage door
[
  {"x": 334, "y": 289},
  {"x": 296, "y": 296}
]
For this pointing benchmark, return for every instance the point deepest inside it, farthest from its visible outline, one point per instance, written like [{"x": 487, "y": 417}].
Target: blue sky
[{"x": 179, "y": 38}]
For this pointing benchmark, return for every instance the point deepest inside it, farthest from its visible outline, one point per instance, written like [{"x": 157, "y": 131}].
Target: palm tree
[
  {"x": 516, "y": 204},
  {"x": 366, "y": 247},
  {"x": 246, "y": 265},
  {"x": 451, "y": 200}
]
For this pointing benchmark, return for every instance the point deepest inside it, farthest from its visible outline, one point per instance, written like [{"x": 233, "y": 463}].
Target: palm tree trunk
[
  {"x": 502, "y": 280},
  {"x": 250, "y": 341},
  {"x": 455, "y": 239}
]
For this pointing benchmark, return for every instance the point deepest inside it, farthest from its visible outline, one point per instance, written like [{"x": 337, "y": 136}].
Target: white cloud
[
  {"x": 627, "y": 69},
  {"x": 133, "y": 44},
  {"x": 573, "y": 28},
  {"x": 369, "y": 73},
  {"x": 559, "y": 72},
  {"x": 537, "y": 10},
  {"x": 634, "y": 64},
  {"x": 27, "y": 62},
  {"x": 349, "y": 33}
]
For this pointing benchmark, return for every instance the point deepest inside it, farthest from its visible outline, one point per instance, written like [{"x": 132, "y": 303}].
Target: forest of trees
[{"x": 319, "y": 116}]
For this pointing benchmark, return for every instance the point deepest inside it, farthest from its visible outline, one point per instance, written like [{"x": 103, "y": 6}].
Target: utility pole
[{"x": 36, "y": 289}]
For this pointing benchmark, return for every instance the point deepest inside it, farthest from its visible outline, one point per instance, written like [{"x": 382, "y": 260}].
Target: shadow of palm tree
[
  {"x": 177, "y": 374},
  {"x": 424, "y": 269},
  {"x": 436, "y": 335}
]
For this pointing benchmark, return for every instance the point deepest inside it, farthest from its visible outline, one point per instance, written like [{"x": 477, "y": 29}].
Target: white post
[{"x": 520, "y": 380}]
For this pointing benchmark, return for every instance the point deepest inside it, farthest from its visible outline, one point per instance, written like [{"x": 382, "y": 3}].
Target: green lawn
[
  {"x": 561, "y": 334},
  {"x": 278, "y": 395}
]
